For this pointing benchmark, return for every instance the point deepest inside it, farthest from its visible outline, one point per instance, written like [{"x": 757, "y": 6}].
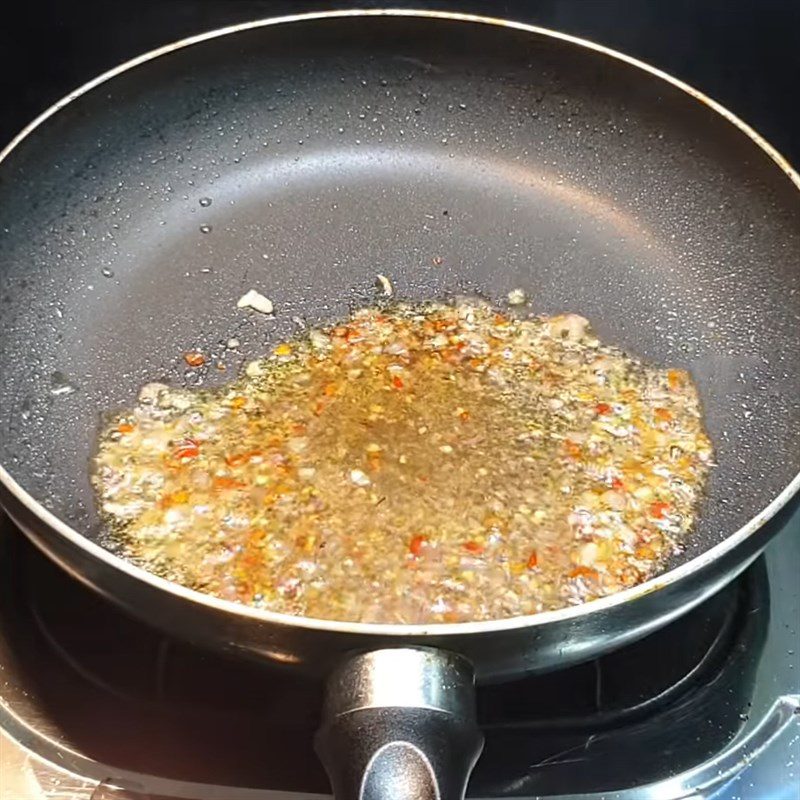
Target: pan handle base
[{"x": 400, "y": 723}]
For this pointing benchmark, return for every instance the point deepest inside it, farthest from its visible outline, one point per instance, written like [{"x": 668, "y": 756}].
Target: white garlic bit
[
  {"x": 516, "y": 297},
  {"x": 255, "y": 369},
  {"x": 256, "y": 301},
  {"x": 359, "y": 478},
  {"x": 385, "y": 285},
  {"x": 571, "y": 327}
]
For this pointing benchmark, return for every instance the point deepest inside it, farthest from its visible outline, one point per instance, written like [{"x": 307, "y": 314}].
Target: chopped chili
[
  {"x": 675, "y": 378},
  {"x": 222, "y": 482},
  {"x": 662, "y": 414},
  {"x": 417, "y": 544},
  {"x": 573, "y": 448},
  {"x": 185, "y": 450},
  {"x": 583, "y": 572},
  {"x": 659, "y": 510}
]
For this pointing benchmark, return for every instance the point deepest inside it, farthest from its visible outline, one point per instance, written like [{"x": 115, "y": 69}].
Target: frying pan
[{"x": 454, "y": 154}]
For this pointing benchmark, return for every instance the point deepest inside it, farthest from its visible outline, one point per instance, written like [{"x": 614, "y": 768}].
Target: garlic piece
[
  {"x": 567, "y": 326},
  {"x": 385, "y": 285},
  {"x": 359, "y": 478},
  {"x": 256, "y": 301}
]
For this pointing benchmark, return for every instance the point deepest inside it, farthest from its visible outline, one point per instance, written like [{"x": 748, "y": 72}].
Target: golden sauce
[{"x": 433, "y": 463}]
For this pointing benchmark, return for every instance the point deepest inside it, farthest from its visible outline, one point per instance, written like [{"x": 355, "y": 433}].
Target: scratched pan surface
[{"x": 334, "y": 149}]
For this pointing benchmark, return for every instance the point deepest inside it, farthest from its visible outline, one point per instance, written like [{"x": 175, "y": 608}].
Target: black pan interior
[{"x": 332, "y": 150}]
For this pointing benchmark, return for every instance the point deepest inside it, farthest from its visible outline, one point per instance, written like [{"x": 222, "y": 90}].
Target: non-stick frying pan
[{"x": 453, "y": 154}]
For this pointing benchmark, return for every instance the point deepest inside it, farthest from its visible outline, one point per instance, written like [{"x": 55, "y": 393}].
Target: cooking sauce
[{"x": 417, "y": 463}]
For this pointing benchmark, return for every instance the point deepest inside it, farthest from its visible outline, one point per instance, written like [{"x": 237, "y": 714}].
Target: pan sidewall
[{"x": 497, "y": 655}]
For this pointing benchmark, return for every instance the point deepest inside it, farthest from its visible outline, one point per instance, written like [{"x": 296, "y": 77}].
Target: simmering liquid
[{"x": 430, "y": 463}]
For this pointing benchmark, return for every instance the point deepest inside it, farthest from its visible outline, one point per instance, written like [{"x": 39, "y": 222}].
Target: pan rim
[{"x": 598, "y": 606}]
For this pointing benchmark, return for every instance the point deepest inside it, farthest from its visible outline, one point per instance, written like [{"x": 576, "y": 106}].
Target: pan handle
[{"x": 400, "y": 723}]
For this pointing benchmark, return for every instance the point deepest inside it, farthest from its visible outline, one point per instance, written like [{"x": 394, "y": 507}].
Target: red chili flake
[
  {"x": 251, "y": 559},
  {"x": 397, "y": 382},
  {"x": 659, "y": 510},
  {"x": 125, "y": 427},
  {"x": 194, "y": 359},
  {"x": 228, "y": 483},
  {"x": 186, "y": 449},
  {"x": 583, "y": 572},
  {"x": 617, "y": 484},
  {"x": 573, "y": 448},
  {"x": 241, "y": 458},
  {"x": 603, "y": 409},
  {"x": 675, "y": 378},
  {"x": 662, "y": 414},
  {"x": 533, "y": 560},
  {"x": 416, "y": 545},
  {"x": 474, "y": 547},
  {"x": 463, "y": 415}
]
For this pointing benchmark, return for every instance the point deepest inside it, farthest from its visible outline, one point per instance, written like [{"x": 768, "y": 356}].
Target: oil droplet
[
  {"x": 205, "y": 229},
  {"x": 205, "y": 202},
  {"x": 27, "y": 408},
  {"x": 107, "y": 273},
  {"x": 60, "y": 385}
]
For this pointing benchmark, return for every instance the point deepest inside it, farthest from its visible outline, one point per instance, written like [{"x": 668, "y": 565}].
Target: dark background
[{"x": 744, "y": 53}]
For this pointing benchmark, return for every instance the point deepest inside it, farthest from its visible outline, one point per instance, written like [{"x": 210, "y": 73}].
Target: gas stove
[{"x": 95, "y": 705}]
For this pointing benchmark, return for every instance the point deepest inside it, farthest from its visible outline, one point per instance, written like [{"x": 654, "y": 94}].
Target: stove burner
[
  {"x": 662, "y": 705},
  {"x": 126, "y": 695}
]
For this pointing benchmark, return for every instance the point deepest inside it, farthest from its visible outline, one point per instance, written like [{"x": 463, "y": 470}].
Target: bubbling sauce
[{"x": 412, "y": 464}]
